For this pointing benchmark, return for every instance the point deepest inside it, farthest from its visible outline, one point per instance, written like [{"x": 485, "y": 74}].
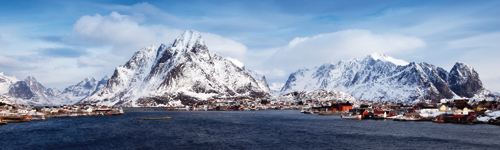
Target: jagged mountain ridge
[
  {"x": 379, "y": 77},
  {"x": 30, "y": 92},
  {"x": 75, "y": 93},
  {"x": 184, "y": 71}
]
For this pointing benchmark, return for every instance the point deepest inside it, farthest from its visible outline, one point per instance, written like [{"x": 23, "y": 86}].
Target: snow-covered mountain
[
  {"x": 261, "y": 80},
  {"x": 75, "y": 93},
  {"x": 184, "y": 71},
  {"x": 378, "y": 77},
  {"x": 275, "y": 88},
  {"x": 30, "y": 92},
  {"x": 6, "y": 82}
]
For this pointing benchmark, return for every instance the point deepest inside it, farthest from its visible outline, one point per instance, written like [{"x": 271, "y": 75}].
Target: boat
[
  {"x": 2, "y": 122},
  {"x": 120, "y": 111},
  {"x": 412, "y": 119},
  {"x": 404, "y": 118},
  {"x": 440, "y": 118},
  {"x": 435, "y": 120},
  {"x": 350, "y": 116}
]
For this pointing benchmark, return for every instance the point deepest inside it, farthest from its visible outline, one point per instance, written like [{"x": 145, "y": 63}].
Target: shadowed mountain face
[
  {"x": 382, "y": 78},
  {"x": 180, "y": 73}
]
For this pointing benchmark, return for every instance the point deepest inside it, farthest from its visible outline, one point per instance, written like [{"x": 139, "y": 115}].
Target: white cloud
[
  {"x": 84, "y": 61},
  {"x": 225, "y": 47},
  {"x": 273, "y": 73},
  {"x": 341, "y": 45},
  {"x": 126, "y": 35},
  {"x": 123, "y": 32},
  {"x": 9, "y": 62}
]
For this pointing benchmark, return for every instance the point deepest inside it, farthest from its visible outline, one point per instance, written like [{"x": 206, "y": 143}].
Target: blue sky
[{"x": 62, "y": 42}]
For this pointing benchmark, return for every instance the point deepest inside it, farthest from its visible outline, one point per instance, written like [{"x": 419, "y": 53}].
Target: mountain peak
[
  {"x": 385, "y": 58},
  {"x": 89, "y": 78},
  {"x": 461, "y": 68},
  {"x": 106, "y": 77},
  {"x": 30, "y": 78},
  {"x": 188, "y": 39},
  {"x": 461, "y": 65}
]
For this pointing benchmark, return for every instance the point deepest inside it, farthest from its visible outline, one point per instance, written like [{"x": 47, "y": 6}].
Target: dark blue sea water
[{"x": 270, "y": 129}]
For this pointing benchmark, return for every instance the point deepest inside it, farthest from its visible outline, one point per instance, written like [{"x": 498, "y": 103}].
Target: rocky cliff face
[
  {"x": 379, "y": 77},
  {"x": 184, "y": 71}
]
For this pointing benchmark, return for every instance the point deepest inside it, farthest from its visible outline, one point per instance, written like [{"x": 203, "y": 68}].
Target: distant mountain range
[
  {"x": 30, "y": 92},
  {"x": 186, "y": 72},
  {"x": 378, "y": 77}
]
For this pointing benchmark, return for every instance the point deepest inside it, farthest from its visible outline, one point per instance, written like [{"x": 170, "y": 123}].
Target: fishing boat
[
  {"x": 2, "y": 122},
  {"x": 439, "y": 119},
  {"x": 350, "y": 116},
  {"x": 435, "y": 120},
  {"x": 120, "y": 111},
  {"x": 412, "y": 119}
]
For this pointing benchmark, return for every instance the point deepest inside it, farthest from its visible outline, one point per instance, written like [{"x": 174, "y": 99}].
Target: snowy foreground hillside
[
  {"x": 179, "y": 73},
  {"x": 378, "y": 77}
]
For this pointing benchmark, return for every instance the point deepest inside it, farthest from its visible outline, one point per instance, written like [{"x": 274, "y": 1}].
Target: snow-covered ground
[
  {"x": 491, "y": 115},
  {"x": 431, "y": 114}
]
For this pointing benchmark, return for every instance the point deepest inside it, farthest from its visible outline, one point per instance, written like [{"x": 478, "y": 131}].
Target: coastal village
[
  {"x": 20, "y": 113},
  {"x": 455, "y": 111}
]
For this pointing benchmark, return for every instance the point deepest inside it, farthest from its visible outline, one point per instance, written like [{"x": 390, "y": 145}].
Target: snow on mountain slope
[
  {"x": 261, "y": 80},
  {"x": 382, "y": 78},
  {"x": 236, "y": 62},
  {"x": 30, "y": 92},
  {"x": 184, "y": 71},
  {"x": 75, "y": 93},
  {"x": 275, "y": 88},
  {"x": 6, "y": 82},
  {"x": 385, "y": 58}
]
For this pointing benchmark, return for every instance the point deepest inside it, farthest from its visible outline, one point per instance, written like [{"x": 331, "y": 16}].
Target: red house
[
  {"x": 463, "y": 119},
  {"x": 344, "y": 106}
]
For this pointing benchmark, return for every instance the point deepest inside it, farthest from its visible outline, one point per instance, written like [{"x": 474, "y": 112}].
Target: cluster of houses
[
  {"x": 263, "y": 104},
  {"x": 21, "y": 113},
  {"x": 457, "y": 111}
]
